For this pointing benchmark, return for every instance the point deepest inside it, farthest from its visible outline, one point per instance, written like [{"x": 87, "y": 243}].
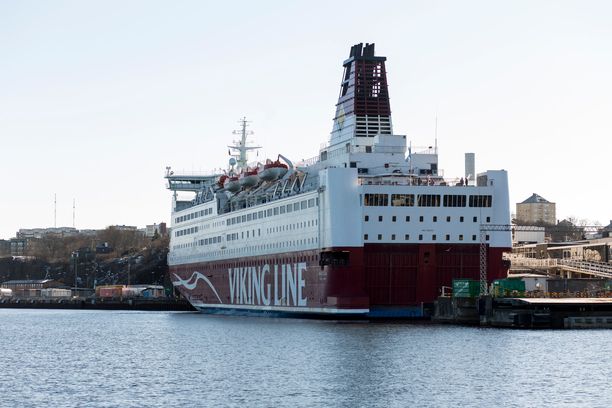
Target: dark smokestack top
[{"x": 361, "y": 52}]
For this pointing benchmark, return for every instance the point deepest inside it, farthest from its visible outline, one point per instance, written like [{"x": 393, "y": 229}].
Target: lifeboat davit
[
  {"x": 249, "y": 178},
  {"x": 273, "y": 170},
  {"x": 231, "y": 184},
  {"x": 221, "y": 180}
]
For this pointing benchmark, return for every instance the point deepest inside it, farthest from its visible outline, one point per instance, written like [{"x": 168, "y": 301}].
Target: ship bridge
[{"x": 189, "y": 182}]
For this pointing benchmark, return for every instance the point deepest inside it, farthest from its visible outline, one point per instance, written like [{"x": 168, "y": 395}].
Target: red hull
[{"x": 374, "y": 277}]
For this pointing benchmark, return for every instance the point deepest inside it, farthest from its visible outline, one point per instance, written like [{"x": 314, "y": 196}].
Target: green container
[
  {"x": 466, "y": 288},
  {"x": 508, "y": 287}
]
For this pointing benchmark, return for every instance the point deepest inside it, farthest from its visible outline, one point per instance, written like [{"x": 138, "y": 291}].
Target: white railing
[{"x": 590, "y": 268}]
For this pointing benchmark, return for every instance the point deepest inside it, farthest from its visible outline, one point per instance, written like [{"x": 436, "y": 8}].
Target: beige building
[{"x": 536, "y": 210}]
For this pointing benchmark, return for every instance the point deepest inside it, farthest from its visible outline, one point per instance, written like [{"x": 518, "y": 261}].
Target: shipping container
[
  {"x": 508, "y": 287},
  {"x": 55, "y": 293},
  {"x": 110, "y": 292},
  {"x": 466, "y": 288}
]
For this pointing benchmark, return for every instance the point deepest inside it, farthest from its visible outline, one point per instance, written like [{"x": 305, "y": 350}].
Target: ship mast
[{"x": 240, "y": 145}]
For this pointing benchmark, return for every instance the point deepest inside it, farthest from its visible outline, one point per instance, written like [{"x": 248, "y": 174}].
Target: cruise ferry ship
[{"x": 369, "y": 228}]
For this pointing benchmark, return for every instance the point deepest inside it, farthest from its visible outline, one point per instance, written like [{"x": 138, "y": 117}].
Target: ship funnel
[{"x": 470, "y": 168}]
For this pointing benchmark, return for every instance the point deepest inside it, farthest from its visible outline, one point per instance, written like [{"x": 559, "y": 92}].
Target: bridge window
[
  {"x": 402, "y": 200},
  {"x": 428, "y": 200},
  {"x": 481, "y": 201},
  {"x": 454, "y": 200},
  {"x": 376, "y": 200}
]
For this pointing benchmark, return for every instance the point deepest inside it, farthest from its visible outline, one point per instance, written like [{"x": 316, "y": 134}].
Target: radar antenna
[{"x": 241, "y": 145}]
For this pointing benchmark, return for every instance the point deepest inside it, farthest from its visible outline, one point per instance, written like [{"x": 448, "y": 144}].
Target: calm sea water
[{"x": 137, "y": 359}]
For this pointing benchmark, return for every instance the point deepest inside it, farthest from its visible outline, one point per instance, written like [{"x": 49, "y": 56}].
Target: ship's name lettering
[{"x": 276, "y": 285}]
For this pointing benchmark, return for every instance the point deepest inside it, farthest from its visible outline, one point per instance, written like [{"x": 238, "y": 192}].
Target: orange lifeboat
[
  {"x": 231, "y": 184},
  {"x": 273, "y": 170},
  {"x": 249, "y": 178}
]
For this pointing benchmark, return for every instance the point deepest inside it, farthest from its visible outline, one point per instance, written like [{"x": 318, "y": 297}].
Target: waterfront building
[
  {"x": 536, "y": 210},
  {"x": 43, "y": 232},
  {"x": 5, "y": 248}
]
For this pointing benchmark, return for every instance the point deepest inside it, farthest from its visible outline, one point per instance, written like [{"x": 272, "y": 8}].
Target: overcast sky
[{"x": 98, "y": 97}]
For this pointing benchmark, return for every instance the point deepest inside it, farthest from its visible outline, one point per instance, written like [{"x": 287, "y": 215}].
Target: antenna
[
  {"x": 241, "y": 145},
  {"x": 73, "y": 210},
  {"x": 436, "y": 135},
  {"x": 55, "y": 210}
]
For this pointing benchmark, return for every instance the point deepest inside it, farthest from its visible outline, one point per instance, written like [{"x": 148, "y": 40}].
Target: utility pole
[{"x": 75, "y": 258}]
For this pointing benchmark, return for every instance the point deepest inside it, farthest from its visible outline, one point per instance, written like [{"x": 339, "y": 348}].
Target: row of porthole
[
  {"x": 422, "y": 218},
  {"x": 434, "y": 237}
]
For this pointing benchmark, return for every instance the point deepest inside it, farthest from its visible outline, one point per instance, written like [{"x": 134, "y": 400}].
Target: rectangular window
[
  {"x": 275, "y": 210},
  {"x": 435, "y": 219},
  {"x": 407, "y": 218},
  {"x": 433, "y": 237},
  {"x": 243, "y": 218},
  {"x": 454, "y": 200},
  {"x": 394, "y": 218},
  {"x": 261, "y": 214},
  {"x": 380, "y": 218},
  {"x": 448, "y": 237},
  {"x": 249, "y": 217},
  {"x": 407, "y": 237},
  {"x": 473, "y": 237},
  {"x": 481, "y": 201},
  {"x": 420, "y": 237},
  {"x": 488, "y": 219},
  {"x": 304, "y": 205},
  {"x": 402, "y": 200},
  {"x": 376, "y": 200},
  {"x": 296, "y": 206},
  {"x": 365, "y": 237},
  {"x": 460, "y": 237},
  {"x": 380, "y": 237},
  {"x": 282, "y": 209},
  {"x": 392, "y": 237},
  {"x": 269, "y": 212},
  {"x": 421, "y": 218},
  {"x": 311, "y": 203},
  {"x": 367, "y": 218},
  {"x": 289, "y": 208},
  {"x": 428, "y": 200}
]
